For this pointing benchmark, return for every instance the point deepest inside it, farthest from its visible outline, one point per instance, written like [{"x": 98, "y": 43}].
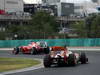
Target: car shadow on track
[{"x": 68, "y": 66}]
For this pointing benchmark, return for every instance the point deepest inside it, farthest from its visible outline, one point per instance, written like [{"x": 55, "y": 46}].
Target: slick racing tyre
[
  {"x": 46, "y": 50},
  {"x": 33, "y": 51},
  {"x": 83, "y": 58},
  {"x": 47, "y": 61},
  {"x": 72, "y": 60},
  {"x": 16, "y": 50}
]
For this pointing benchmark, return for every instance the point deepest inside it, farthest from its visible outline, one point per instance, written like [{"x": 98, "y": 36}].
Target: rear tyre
[
  {"x": 46, "y": 50},
  {"x": 16, "y": 50},
  {"x": 33, "y": 51},
  {"x": 72, "y": 60},
  {"x": 83, "y": 58},
  {"x": 60, "y": 63},
  {"x": 47, "y": 61}
]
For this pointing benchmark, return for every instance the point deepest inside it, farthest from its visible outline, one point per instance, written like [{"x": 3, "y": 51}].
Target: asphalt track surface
[{"x": 92, "y": 68}]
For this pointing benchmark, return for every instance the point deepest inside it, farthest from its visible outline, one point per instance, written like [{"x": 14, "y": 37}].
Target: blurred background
[{"x": 49, "y": 19}]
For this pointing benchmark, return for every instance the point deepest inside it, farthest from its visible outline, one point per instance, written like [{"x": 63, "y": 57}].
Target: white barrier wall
[{"x": 84, "y": 48}]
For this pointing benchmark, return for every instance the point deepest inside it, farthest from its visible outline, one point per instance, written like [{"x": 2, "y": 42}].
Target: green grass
[{"x": 7, "y": 64}]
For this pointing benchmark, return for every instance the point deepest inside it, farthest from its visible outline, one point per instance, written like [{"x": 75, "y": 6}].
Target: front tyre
[
  {"x": 33, "y": 51},
  {"x": 16, "y": 50},
  {"x": 47, "y": 61}
]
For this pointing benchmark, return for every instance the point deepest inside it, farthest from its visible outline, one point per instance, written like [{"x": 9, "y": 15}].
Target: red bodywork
[
  {"x": 27, "y": 49},
  {"x": 58, "y": 48}
]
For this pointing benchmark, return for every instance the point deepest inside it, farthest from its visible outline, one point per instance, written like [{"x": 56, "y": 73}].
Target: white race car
[{"x": 61, "y": 55}]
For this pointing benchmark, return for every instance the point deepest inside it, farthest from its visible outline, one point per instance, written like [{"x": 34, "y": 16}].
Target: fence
[{"x": 86, "y": 42}]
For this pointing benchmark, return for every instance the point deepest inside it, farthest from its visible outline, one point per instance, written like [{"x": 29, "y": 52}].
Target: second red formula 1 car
[
  {"x": 33, "y": 48},
  {"x": 61, "y": 55}
]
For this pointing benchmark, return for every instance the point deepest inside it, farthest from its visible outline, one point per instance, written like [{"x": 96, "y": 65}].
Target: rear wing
[{"x": 58, "y": 48}]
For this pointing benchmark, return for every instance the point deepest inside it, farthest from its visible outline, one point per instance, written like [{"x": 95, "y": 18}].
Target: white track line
[{"x": 25, "y": 69}]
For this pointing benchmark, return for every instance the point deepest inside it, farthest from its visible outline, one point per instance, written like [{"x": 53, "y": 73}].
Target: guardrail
[
  {"x": 70, "y": 19},
  {"x": 14, "y": 17}
]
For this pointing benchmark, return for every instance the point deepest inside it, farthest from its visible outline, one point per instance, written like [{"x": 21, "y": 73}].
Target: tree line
[
  {"x": 89, "y": 28},
  {"x": 44, "y": 25}
]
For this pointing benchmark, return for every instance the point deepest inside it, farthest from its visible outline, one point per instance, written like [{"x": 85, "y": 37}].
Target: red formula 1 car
[
  {"x": 61, "y": 55},
  {"x": 33, "y": 48}
]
